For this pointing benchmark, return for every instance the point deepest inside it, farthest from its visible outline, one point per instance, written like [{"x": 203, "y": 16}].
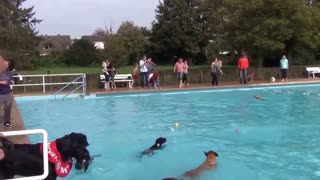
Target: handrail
[
  {"x": 48, "y": 75},
  {"x": 61, "y": 89},
  {"x": 45, "y": 151},
  {"x": 42, "y": 82},
  {"x": 73, "y": 91}
]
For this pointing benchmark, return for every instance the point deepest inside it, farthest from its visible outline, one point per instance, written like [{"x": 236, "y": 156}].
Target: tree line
[{"x": 197, "y": 30}]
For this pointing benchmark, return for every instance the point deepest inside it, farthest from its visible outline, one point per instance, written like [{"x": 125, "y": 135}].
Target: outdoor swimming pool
[{"x": 277, "y": 139}]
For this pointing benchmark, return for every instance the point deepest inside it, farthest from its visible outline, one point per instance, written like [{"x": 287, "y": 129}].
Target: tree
[
  {"x": 81, "y": 53},
  {"x": 261, "y": 26},
  {"x": 179, "y": 30},
  {"x": 17, "y": 26},
  {"x": 127, "y": 45},
  {"x": 18, "y": 41}
]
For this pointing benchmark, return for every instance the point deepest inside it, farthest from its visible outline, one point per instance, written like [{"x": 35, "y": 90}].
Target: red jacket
[{"x": 243, "y": 63}]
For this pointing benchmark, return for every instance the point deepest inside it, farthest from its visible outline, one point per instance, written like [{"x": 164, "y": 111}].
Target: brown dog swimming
[
  {"x": 257, "y": 97},
  {"x": 208, "y": 164}
]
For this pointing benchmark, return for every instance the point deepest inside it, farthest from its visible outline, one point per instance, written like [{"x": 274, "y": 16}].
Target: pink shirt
[
  {"x": 185, "y": 68},
  {"x": 179, "y": 67}
]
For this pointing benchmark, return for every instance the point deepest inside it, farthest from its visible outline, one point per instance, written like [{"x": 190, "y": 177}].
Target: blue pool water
[{"x": 277, "y": 139}]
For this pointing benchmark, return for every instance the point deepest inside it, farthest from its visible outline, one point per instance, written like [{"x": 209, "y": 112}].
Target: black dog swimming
[
  {"x": 27, "y": 159},
  {"x": 158, "y": 145}
]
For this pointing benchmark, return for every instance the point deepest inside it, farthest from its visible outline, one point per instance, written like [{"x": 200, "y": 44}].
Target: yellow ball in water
[{"x": 177, "y": 124}]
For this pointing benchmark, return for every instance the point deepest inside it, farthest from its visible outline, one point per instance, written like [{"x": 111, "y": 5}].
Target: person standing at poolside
[
  {"x": 135, "y": 75},
  {"x": 144, "y": 72},
  {"x": 6, "y": 96},
  {"x": 112, "y": 72},
  {"x": 221, "y": 72},
  {"x": 178, "y": 69},
  {"x": 151, "y": 65},
  {"x": 106, "y": 74},
  {"x": 215, "y": 71},
  {"x": 185, "y": 73},
  {"x": 284, "y": 66},
  {"x": 243, "y": 65}
]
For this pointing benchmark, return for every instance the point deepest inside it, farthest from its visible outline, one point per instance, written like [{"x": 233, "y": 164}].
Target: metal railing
[
  {"x": 45, "y": 150},
  {"x": 75, "y": 81},
  {"x": 43, "y": 80}
]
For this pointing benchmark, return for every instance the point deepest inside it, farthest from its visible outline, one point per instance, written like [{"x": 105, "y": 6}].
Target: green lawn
[{"x": 92, "y": 70}]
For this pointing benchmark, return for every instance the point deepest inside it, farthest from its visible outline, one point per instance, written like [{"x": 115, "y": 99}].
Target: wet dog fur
[
  {"x": 208, "y": 164},
  {"x": 27, "y": 160},
  {"x": 158, "y": 145}
]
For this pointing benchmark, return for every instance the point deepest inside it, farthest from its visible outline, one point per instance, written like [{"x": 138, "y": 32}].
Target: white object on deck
[
  {"x": 45, "y": 150},
  {"x": 313, "y": 71}
]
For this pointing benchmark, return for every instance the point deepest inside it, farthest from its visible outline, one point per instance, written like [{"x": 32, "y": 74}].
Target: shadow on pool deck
[{"x": 19, "y": 125}]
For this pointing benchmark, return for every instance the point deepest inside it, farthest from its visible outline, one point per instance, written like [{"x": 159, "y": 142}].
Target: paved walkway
[{"x": 17, "y": 122}]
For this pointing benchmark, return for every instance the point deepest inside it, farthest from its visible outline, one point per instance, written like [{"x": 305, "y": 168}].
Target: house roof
[
  {"x": 93, "y": 38},
  {"x": 59, "y": 42}
]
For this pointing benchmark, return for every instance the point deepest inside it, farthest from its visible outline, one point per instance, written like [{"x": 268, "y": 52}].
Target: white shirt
[
  {"x": 104, "y": 67},
  {"x": 143, "y": 66}
]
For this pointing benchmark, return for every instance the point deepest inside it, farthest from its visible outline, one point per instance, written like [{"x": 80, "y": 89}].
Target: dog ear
[
  {"x": 205, "y": 153},
  {"x": 79, "y": 139},
  {"x": 64, "y": 143}
]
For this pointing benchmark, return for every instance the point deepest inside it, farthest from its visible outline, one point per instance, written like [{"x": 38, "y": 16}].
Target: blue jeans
[
  {"x": 243, "y": 76},
  {"x": 144, "y": 79}
]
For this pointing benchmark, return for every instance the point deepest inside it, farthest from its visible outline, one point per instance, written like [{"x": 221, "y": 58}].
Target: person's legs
[
  {"x": 142, "y": 79},
  {"x": 146, "y": 78},
  {"x": 180, "y": 80},
  {"x": 286, "y": 72},
  {"x": 282, "y": 73},
  {"x": 245, "y": 75},
  {"x": 241, "y": 76},
  {"x": 7, "y": 109},
  {"x": 106, "y": 84},
  {"x": 212, "y": 81},
  {"x": 217, "y": 79},
  {"x": 185, "y": 78}
]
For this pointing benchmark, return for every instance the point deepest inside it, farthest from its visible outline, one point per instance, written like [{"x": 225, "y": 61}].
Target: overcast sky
[{"x": 82, "y": 17}]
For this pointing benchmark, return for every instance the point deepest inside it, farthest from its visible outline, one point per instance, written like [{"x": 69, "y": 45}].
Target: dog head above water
[
  {"x": 159, "y": 143},
  {"x": 211, "y": 157},
  {"x": 74, "y": 146},
  {"x": 83, "y": 159}
]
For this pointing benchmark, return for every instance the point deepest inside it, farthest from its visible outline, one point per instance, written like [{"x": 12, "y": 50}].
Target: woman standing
[
  {"x": 215, "y": 71},
  {"x": 284, "y": 65},
  {"x": 111, "y": 72},
  {"x": 106, "y": 75},
  {"x": 185, "y": 73}
]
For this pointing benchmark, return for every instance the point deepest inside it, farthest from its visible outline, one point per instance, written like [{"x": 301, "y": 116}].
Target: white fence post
[{"x": 43, "y": 85}]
